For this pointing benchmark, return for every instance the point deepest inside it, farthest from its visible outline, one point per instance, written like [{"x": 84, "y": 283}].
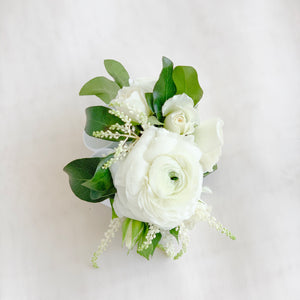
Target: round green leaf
[
  {"x": 117, "y": 72},
  {"x": 98, "y": 118},
  {"x": 79, "y": 171},
  {"x": 186, "y": 81},
  {"x": 101, "y": 87}
]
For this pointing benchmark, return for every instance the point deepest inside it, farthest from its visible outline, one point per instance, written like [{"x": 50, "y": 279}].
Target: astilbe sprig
[
  {"x": 172, "y": 247},
  {"x": 115, "y": 131},
  {"x": 151, "y": 234},
  {"x": 175, "y": 249},
  {"x": 113, "y": 227},
  {"x": 203, "y": 213}
]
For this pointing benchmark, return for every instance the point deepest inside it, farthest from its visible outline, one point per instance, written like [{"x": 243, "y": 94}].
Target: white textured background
[{"x": 247, "y": 54}]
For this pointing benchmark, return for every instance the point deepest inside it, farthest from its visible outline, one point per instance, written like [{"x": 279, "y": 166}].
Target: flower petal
[
  {"x": 209, "y": 138},
  {"x": 177, "y": 102},
  {"x": 146, "y": 84},
  {"x": 160, "y": 180}
]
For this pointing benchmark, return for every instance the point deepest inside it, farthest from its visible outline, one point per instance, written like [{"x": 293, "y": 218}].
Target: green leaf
[
  {"x": 164, "y": 87},
  {"x": 101, "y": 87},
  {"x": 186, "y": 81},
  {"x": 95, "y": 195},
  {"x": 174, "y": 232},
  {"x": 215, "y": 167},
  {"x": 117, "y": 72},
  {"x": 125, "y": 226},
  {"x": 151, "y": 248},
  {"x": 149, "y": 99},
  {"x": 98, "y": 118},
  {"x": 114, "y": 215},
  {"x": 101, "y": 181},
  {"x": 79, "y": 171},
  {"x": 153, "y": 121}
]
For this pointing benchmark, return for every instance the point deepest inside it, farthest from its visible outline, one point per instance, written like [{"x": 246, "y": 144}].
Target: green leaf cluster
[
  {"x": 134, "y": 233},
  {"x": 97, "y": 117},
  {"x": 104, "y": 88},
  {"x": 173, "y": 81},
  {"x": 89, "y": 181},
  {"x": 149, "y": 251}
]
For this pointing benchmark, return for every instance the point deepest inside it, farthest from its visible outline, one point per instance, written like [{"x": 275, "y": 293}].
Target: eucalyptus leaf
[
  {"x": 186, "y": 81},
  {"x": 98, "y": 118},
  {"x": 117, "y": 72},
  {"x": 79, "y": 171},
  {"x": 101, "y": 87},
  {"x": 164, "y": 87}
]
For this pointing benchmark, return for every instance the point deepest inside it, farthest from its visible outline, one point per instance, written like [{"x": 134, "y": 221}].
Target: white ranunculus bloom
[
  {"x": 209, "y": 138},
  {"x": 160, "y": 180},
  {"x": 131, "y": 99},
  {"x": 180, "y": 114}
]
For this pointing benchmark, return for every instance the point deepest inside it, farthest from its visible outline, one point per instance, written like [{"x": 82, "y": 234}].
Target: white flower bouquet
[{"x": 151, "y": 155}]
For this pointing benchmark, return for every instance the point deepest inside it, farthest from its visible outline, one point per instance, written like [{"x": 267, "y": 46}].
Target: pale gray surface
[{"x": 247, "y": 54}]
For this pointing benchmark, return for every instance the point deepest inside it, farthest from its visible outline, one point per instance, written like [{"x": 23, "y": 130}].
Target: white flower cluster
[
  {"x": 113, "y": 227},
  {"x": 152, "y": 231},
  {"x": 158, "y": 170}
]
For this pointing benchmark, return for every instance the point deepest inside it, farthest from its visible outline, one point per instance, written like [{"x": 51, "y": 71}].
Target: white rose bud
[
  {"x": 160, "y": 180},
  {"x": 180, "y": 114},
  {"x": 132, "y": 230},
  {"x": 209, "y": 139},
  {"x": 131, "y": 99}
]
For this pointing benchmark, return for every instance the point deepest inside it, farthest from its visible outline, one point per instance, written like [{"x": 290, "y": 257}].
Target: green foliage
[
  {"x": 79, "y": 171},
  {"x": 186, "y": 81},
  {"x": 114, "y": 215},
  {"x": 153, "y": 121},
  {"x": 147, "y": 252},
  {"x": 149, "y": 99},
  {"x": 101, "y": 87},
  {"x": 98, "y": 118},
  {"x": 95, "y": 194},
  {"x": 164, "y": 87},
  {"x": 175, "y": 232},
  {"x": 101, "y": 181},
  {"x": 215, "y": 167},
  {"x": 117, "y": 72}
]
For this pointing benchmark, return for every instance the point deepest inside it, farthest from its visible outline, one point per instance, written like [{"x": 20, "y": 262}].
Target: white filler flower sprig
[{"x": 151, "y": 154}]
